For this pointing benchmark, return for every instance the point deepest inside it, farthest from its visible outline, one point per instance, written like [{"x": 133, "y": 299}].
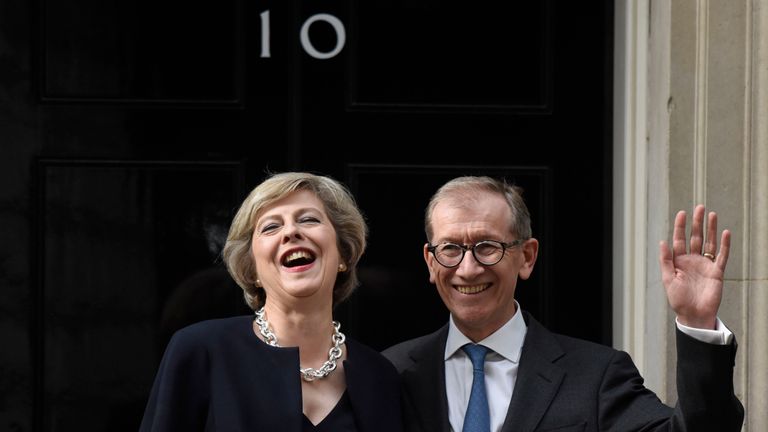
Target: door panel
[
  {"x": 127, "y": 255},
  {"x": 170, "y": 52}
]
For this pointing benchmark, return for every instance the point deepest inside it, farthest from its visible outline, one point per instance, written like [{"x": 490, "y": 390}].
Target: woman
[{"x": 292, "y": 247}]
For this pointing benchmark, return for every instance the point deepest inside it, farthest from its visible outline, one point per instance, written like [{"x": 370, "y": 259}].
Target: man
[{"x": 480, "y": 242}]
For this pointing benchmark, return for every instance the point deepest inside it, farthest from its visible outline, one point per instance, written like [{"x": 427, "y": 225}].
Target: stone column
[{"x": 707, "y": 142}]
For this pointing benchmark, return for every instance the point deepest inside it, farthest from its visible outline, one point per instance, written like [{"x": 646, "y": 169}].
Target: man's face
[{"x": 480, "y": 298}]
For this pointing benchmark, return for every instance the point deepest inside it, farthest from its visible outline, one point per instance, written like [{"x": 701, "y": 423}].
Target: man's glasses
[{"x": 486, "y": 252}]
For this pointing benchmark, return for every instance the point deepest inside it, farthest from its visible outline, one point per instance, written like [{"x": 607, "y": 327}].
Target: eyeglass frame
[{"x": 464, "y": 248}]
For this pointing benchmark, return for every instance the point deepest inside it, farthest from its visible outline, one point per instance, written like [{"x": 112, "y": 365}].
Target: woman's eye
[
  {"x": 309, "y": 219},
  {"x": 269, "y": 227}
]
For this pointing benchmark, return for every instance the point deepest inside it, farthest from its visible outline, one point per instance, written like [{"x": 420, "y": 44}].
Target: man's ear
[
  {"x": 530, "y": 250},
  {"x": 430, "y": 260}
]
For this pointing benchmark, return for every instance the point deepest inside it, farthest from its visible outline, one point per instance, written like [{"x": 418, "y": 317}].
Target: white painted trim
[
  {"x": 701, "y": 79},
  {"x": 630, "y": 198}
]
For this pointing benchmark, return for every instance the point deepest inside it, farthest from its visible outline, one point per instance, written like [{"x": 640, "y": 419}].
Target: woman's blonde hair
[{"x": 341, "y": 208}]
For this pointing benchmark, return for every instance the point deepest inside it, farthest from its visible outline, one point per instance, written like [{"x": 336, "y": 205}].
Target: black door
[{"x": 130, "y": 131}]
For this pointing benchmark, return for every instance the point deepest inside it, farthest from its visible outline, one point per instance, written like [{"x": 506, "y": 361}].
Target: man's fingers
[
  {"x": 678, "y": 234},
  {"x": 725, "y": 248},
  {"x": 697, "y": 230},
  {"x": 666, "y": 263},
  {"x": 710, "y": 245}
]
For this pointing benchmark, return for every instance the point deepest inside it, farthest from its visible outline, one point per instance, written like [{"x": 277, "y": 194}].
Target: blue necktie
[{"x": 477, "y": 417}]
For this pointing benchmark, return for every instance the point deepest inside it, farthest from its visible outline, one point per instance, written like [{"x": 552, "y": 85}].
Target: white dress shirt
[{"x": 501, "y": 363}]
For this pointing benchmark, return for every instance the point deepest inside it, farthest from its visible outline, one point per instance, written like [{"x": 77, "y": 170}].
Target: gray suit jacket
[{"x": 571, "y": 385}]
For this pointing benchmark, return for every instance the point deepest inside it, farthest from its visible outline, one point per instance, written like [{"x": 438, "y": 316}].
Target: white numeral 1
[{"x": 265, "y": 34}]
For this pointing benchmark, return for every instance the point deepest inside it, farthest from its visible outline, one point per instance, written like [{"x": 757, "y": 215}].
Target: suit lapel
[
  {"x": 538, "y": 379},
  {"x": 425, "y": 375}
]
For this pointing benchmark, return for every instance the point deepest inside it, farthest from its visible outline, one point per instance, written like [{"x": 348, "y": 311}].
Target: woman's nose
[{"x": 291, "y": 230}]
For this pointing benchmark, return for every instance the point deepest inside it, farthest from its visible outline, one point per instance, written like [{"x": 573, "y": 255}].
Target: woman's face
[{"x": 295, "y": 250}]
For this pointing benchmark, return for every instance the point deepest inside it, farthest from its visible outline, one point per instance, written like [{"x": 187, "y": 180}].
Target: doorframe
[{"x": 630, "y": 182}]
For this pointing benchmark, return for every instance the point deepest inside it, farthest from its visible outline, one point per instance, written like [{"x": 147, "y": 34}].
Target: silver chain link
[{"x": 308, "y": 374}]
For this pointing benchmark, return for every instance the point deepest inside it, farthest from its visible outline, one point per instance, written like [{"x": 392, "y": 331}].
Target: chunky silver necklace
[{"x": 308, "y": 374}]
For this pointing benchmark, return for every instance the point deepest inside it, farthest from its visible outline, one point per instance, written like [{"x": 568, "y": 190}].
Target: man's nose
[{"x": 469, "y": 265}]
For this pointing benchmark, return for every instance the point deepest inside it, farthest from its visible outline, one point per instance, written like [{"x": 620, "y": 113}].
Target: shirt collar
[{"x": 507, "y": 341}]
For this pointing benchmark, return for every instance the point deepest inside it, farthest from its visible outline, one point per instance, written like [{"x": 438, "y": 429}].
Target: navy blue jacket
[{"x": 217, "y": 375}]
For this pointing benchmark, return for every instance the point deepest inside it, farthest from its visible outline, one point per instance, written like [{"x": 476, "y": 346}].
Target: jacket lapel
[
  {"x": 538, "y": 379},
  {"x": 426, "y": 374}
]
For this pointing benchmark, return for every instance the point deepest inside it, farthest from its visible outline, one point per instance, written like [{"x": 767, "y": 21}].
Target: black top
[
  {"x": 217, "y": 375},
  {"x": 340, "y": 419}
]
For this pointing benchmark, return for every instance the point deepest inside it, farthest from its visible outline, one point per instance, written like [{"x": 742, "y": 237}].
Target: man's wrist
[{"x": 721, "y": 335}]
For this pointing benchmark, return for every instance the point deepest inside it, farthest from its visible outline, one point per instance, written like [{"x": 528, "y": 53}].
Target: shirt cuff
[{"x": 720, "y": 336}]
